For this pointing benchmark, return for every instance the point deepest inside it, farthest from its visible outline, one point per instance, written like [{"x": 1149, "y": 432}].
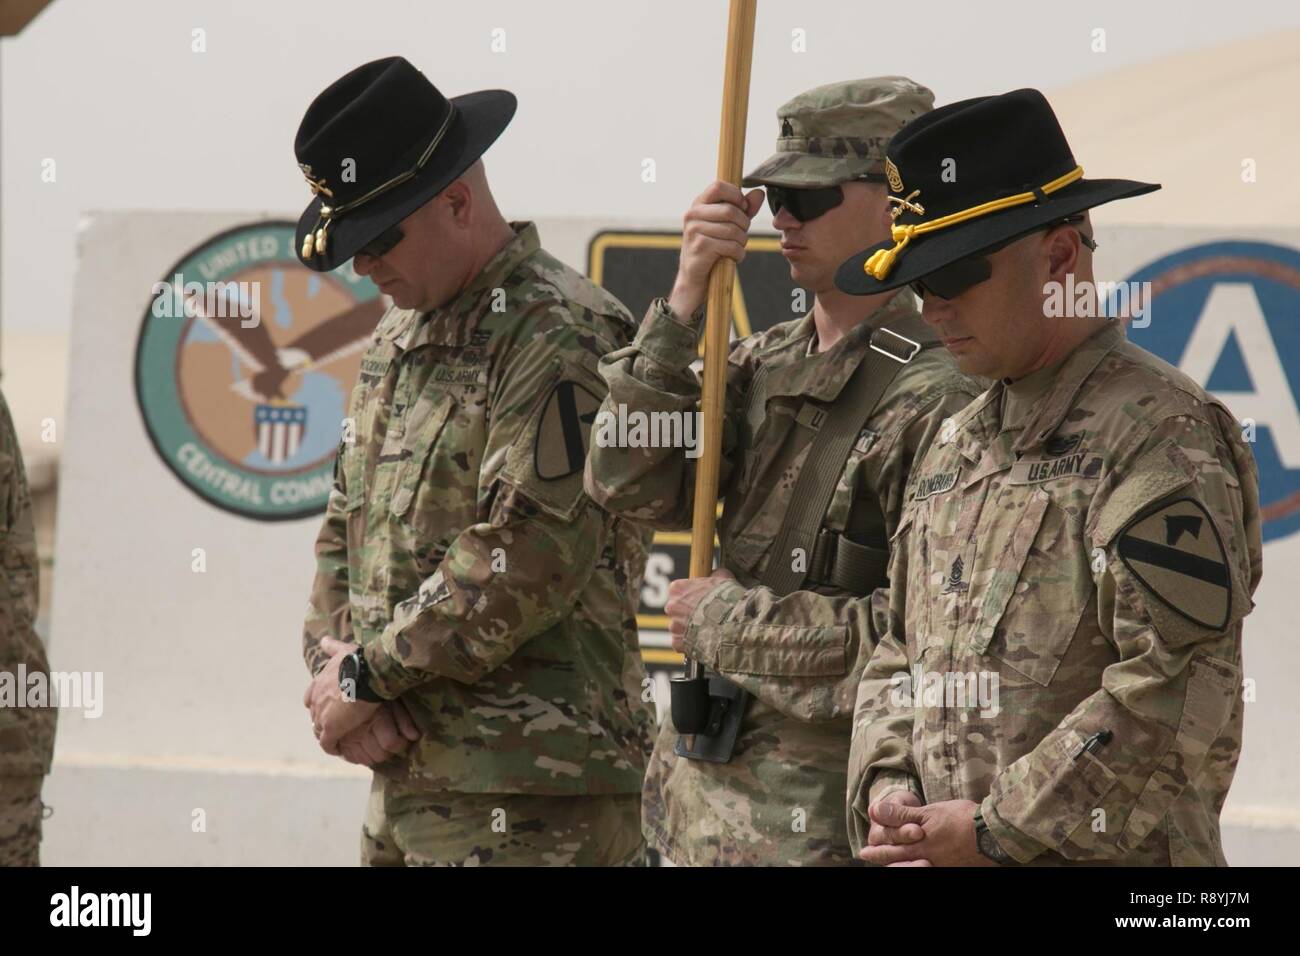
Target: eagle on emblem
[{"x": 268, "y": 367}]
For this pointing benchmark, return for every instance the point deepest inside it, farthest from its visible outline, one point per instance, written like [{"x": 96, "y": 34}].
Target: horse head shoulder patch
[
  {"x": 564, "y": 431},
  {"x": 1174, "y": 550}
]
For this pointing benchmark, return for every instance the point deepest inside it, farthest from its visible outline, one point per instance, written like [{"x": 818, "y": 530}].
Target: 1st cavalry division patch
[
  {"x": 564, "y": 432},
  {"x": 1175, "y": 551}
]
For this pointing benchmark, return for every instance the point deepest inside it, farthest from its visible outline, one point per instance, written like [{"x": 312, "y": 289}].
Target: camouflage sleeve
[
  {"x": 803, "y": 653},
  {"x": 880, "y": 754},
  {"x": 26, "y": 731},
  {"x": 1178, "y": 556},
  {"x": 329, "y": 608},
  {"x": 880, "y": 751},
  {"x": 651, "y": 377},
  {"x": 512, "y": 577}
]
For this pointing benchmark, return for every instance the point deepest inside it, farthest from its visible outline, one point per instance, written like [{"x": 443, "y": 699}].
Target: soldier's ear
[
  {"x": 460, "y": 200},
  {"x": 1063, "y": 245}
]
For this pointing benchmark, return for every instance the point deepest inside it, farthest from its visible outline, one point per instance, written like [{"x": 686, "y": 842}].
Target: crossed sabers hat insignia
[{"x": 317, "y": 185}]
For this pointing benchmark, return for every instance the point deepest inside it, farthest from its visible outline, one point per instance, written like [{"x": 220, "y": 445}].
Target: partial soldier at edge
[{"x": 26, "y": 732}]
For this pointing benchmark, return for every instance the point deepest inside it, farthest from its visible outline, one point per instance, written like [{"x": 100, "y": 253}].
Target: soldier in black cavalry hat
[
  {"x": 471, "y": 629},
  {"x": 1079, "y": 546}
]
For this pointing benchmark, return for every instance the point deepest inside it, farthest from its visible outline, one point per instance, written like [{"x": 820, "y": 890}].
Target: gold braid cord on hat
[
  {"x": 881, "y": 262},
  {"x": 314, "y": 243}
]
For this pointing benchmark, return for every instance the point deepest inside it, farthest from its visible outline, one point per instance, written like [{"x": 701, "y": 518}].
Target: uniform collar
[
  {"x": 1044, "y": 404},
  {"x": 970, "y": 430},
  {"x": 1021, "y": 398},
  {"x": 453, "y": 323},
  {"x": 823, "y": 375}
]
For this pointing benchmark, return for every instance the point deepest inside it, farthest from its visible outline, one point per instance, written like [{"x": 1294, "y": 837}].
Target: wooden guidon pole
[{"x": 731, "y": 150}]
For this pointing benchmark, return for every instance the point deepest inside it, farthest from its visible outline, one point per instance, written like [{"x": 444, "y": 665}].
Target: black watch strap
[
  {"x": 358, "y": 671},
  {"x": 987, "y": 843}
]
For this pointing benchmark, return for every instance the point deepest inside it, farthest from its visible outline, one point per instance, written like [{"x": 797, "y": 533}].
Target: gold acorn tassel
[
  {"x": 314, "y": 242},
  {"x": 881, "y": 262},
  {"x": 321, "y": 237}
]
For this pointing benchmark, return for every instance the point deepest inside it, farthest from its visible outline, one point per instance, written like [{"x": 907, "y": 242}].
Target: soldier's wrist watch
[
  {"x": 354, "y": 679},
  {"x": 987, "y": 844}
]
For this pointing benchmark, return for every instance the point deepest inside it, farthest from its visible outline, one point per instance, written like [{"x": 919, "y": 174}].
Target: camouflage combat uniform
[
  {"x": 1090, "y": 536},
  {"x": 779, "y": 799},
  {"x": 26, "y": 733},
  {"x": 487, "y": 590}
]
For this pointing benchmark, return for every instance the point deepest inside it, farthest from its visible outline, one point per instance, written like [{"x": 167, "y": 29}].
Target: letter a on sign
[{"x": 565, "y": 431}]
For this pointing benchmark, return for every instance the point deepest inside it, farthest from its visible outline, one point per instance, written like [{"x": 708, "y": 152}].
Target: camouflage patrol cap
[{"x": 838, "y": 132}]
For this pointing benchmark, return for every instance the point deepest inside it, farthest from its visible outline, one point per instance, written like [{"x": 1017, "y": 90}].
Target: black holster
[{"x": 727, "y": 706}]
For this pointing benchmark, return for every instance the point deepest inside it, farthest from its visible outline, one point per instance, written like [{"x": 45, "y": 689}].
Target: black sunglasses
[
  {"x": 382, "y": 243},
  {"x": 956, "y": 277},
  {"x": 806, "y": 204}
]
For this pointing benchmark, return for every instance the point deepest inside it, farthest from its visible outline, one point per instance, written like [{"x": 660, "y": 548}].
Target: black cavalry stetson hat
[
  {"x": 968, "y": 176},
  {"x": 405, "y": 142}
]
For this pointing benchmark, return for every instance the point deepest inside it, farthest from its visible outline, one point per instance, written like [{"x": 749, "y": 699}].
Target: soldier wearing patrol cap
[
  {"x": 824, "y": 416},
  {"x": 472, "y": 622},
  {"x": 1083, "y": 540}
]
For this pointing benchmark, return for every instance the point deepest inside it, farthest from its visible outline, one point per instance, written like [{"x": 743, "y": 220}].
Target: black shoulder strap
[{"x": 892, "y": 346}]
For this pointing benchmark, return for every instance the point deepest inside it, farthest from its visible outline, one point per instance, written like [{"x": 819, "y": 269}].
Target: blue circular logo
[{"x": 1228, "y": 315}]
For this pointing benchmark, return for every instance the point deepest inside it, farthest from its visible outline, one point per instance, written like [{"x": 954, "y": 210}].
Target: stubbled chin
[{"x": 972, "y": 365}]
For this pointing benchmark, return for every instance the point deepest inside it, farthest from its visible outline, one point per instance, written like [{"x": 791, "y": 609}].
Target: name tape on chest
[
  {"x": 1077, "y": 465},
  {"x": 937, "y": 483},
  {"x": 467, "y": 375},
  {"x": 375, "y": 366}
]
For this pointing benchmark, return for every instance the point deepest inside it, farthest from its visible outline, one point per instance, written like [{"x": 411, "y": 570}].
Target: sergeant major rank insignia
[
  {"x": 954, "y": 584},
  {"x": 891, "y": 173}
]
